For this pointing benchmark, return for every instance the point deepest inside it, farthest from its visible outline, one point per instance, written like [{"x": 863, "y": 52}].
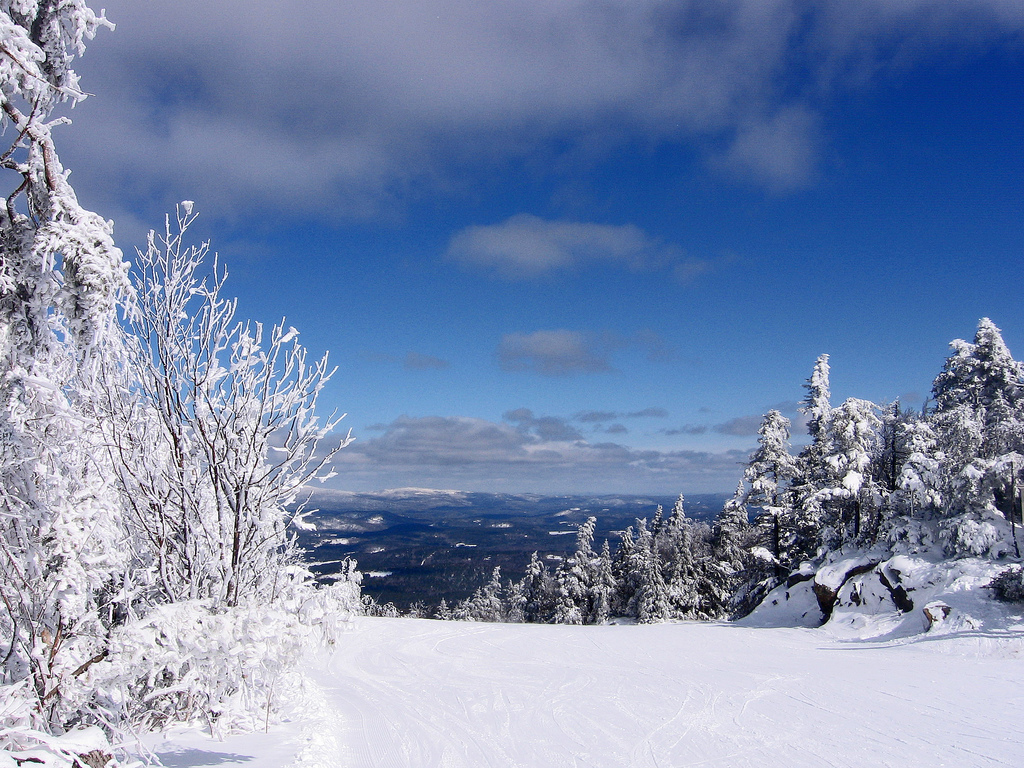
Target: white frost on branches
[{"x": 149, "y": 469}]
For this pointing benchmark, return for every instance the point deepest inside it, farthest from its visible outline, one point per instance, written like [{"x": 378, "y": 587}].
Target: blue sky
[{"x": 578, "y": 246}]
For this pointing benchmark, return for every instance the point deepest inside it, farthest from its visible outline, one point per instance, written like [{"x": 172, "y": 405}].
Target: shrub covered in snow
[{"x": 1008, "y": 586}]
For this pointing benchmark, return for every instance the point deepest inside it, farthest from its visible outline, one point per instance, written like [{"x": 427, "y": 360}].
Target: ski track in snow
[{"x": 419, "y": 693}]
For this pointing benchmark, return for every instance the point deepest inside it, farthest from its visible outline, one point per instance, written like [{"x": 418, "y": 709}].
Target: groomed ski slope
[{"x": 410, "y": 692}]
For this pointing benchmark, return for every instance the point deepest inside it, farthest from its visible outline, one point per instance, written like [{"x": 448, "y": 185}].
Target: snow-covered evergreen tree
[
  {"x": 810, "y": 507},
  {"x": 485, "y": 603},
  {"x": 574, "y": 579},
  {"x": 767, "y": 478},
  {"x": 648, "y": 599},
  {"x": 602, "y": 588},
  {"x": 537, "y": 592},
  {"x": 851, "y": 455},
  {"x": 979, "y": 429},
  {"x": 61, "y": 279}
]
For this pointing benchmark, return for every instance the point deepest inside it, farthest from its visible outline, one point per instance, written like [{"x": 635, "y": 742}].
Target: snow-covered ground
[{"x": 411, "y": 692}]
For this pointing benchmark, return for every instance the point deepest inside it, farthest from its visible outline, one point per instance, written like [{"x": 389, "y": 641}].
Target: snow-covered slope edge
[
  {"x": 885, "y": 597},
  {"x": 412, "y": 692}
]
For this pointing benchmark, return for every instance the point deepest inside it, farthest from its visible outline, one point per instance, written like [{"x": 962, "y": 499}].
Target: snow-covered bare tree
[{"x": 219, "y": 435}]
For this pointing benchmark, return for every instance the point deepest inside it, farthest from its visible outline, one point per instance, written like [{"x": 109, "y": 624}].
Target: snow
[
  {"x": 832, "y": 576},
  {"x": 415, "y": 692}
]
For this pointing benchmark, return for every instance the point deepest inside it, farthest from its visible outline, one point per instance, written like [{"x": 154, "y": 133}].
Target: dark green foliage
[{"x": 1008, "y": 586}]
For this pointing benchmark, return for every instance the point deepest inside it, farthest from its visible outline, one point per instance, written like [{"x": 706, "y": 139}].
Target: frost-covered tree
[
  {"x": 850, "y": 458},
  {"x": 767, "y": 478},
  {"x": 979, "y": 427},
  {"x": 574, "y": 579},
  {"x": 731, "y": 529},
  {"x": 816, "y": 403},
  {"x": 810, "y": 507},
  {"x": 537, "y": 591},
  {"x": 602, "y": 588},
  {"x": 681, "y": 554},
  {"x": 61, "y": 278},
  {"x": 979, "y": 374},
  {"x": 485, "y": 604},
  {"x": 621, "y": 564},
  {"x": 920, "y": 476},
  {"x": 515, "y": 602},
  {"x": 217, "y": 435}
]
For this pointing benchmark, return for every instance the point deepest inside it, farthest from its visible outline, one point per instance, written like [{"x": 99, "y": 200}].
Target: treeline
[{"x": 946, "y": 479}]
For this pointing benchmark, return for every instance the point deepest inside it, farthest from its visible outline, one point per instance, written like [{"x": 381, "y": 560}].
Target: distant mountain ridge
[{"x": 703, "y": 506}]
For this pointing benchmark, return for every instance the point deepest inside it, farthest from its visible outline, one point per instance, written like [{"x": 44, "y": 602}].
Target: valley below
[{"x": 418, "y": 545}]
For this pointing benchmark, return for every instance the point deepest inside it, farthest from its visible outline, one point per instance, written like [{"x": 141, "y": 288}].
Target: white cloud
[
  {"x": 778, "y": 152},
  {"x": 337, "y": 108},
  {"x": 539, "y": 454},
  {"x": 553, "y": 353},
  {"x": 526, "y": 245}
]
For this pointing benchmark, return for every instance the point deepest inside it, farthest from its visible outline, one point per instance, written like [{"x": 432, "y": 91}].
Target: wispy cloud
[
  {"x": 414, "y": 361},
  {"x": 526, "y": 246},
  {"x": 564, "y": 352},
  {"x": 553, "y": 353},
  {"x": 604, "y": 416},
  {"x": 688, "y": 429},
  {"x": 741, "y": 426},
  {"x": 544, "y": 428},
  {"x": 778, "y": 151}
]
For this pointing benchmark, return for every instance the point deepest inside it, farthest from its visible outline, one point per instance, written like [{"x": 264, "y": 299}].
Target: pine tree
[
  {"x": 731, "y": 563},
  {"x": 816, "y": 402},
  {"x": 515, "y": 599},
  {"x": 769, "y": 476},
  {"x": 484, "y": 604},
  {"x": 920, "y": 478},
  {"x": 731, "y": 530},
  {"x": 443, "y": 612},
  {"x": 536, "y": 591},
  {"x": 849, "y": 461},
  {"x": 648, "y": 595},
  {"x": 602, "y": 588},
  {"x": 811, "y": 509},
  {"x": 978, "y": 418},
  {"x": 621, "y": 573}
]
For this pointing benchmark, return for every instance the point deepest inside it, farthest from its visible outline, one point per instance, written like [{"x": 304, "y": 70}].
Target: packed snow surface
[{"x": 413, "y": 692}]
